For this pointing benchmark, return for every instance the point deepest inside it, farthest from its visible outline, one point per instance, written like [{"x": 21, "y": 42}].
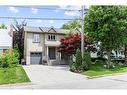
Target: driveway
[{"x": 59, "y": 77}]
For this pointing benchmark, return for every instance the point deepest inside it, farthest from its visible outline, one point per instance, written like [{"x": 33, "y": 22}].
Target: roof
[
  {"x": 5, "y": 39},
  {"x": 47, "y": 30}
]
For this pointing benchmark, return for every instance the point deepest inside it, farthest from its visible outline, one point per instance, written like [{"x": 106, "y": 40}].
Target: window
[
  {"x": 36, "y": 38},
  {"x": 51, "y": 37},
  {"x": 52, "y": 52}
]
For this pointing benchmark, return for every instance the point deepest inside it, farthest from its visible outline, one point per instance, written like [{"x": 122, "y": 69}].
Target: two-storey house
[{"x": 40, "y": 45}]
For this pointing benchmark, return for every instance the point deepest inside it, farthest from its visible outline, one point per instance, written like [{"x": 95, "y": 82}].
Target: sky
[{"x": 39, "y": 11}]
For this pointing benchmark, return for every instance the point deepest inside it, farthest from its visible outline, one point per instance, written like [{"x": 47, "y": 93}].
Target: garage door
[{"x": 35, "y": 58}]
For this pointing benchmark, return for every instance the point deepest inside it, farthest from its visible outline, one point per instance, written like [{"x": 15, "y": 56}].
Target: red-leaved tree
[{"x": 70, "y": 44}]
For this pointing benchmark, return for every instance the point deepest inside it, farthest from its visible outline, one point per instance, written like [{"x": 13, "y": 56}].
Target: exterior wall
[
  {"x": 5, "y": 40},
  {"x": 53, "y": 44},
  {"x": 30, "y": 46}
]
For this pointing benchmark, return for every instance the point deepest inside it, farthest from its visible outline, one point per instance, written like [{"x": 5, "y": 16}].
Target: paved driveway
[{"x": 59, "y": 77}]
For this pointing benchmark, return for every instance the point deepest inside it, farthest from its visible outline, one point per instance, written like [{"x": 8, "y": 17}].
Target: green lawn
[
  {"x": 13, "y": 75},
  {"x": 98, "y": 72}
]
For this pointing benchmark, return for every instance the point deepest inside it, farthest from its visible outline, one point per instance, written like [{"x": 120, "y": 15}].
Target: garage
[{"x": 35, "y": 58}]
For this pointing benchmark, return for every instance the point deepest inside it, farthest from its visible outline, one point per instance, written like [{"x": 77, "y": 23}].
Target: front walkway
[{"x": 59, "y": 77}]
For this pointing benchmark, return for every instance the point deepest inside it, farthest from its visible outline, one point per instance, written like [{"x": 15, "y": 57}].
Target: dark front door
[
  {"x": 36, "y": 58},
  {"x": 52, "y": 53}
]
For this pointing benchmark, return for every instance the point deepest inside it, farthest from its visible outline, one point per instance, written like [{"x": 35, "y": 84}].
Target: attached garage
[{"x": 35, "y": 58}]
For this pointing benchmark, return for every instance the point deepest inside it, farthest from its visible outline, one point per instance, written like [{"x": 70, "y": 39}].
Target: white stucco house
[
  {"x": 5, "y": 40},
  {"x": 40, "y": 45}
]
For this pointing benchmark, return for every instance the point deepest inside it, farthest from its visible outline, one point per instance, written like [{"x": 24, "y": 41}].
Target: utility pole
[{"x": 82, "y": 32}]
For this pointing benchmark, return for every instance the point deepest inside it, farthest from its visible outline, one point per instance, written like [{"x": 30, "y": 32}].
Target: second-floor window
[
  {"x": 36, "y": 38},
  {"x": 52, "y": 37}
]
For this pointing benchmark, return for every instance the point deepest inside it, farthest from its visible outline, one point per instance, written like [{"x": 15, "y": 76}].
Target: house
[
  {"x": 40, "y": 45},
  {"x": 5, "y": 40}
]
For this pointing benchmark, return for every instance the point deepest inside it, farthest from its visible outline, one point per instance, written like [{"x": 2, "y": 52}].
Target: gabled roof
[{"x": 47, "y": 30}]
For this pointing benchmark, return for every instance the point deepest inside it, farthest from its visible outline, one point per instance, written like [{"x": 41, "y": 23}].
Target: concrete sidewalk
[{"x": 59, "y": 77}]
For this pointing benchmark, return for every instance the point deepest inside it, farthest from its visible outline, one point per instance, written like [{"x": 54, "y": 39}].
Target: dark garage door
[{"x": 35, "y": 58}]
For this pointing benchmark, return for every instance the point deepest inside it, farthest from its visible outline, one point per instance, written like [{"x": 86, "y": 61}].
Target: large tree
[
  {"x": 18, "y": 37},
  {"x": 104, "y": 24},
  {"x": 124, "y": 20}
]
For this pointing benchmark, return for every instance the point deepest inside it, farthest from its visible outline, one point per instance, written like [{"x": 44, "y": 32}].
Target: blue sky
[{"x": 35, "y": 11}]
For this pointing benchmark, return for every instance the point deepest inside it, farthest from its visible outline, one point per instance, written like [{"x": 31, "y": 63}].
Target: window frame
[
  {"x": 51, "y": 37},
  {"x": 36, "y": 38}
]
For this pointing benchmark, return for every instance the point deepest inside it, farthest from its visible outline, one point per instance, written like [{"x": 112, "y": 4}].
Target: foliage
[
  {"x": 104, "y": 24},
  {"x": 72, "y": 24},
  {"x": 76, "y": 66},
  {"x": 9, "y": 58},
  {"x": 3, "y": 26},
  {"x": 86, "y": 60},
  {"x": 124, "y": 24},
  {"x": 18, "y": 38},
  {"x": 80, "y": 64},
  {"x": 70, "y": 44}
]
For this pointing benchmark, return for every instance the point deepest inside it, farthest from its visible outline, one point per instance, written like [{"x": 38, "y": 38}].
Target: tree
[
  {"x": 18, "y": 38},
  {"x": 70, "y": 44},
  {"x": 73, "y": 24},
  {"x": 105, "y": 25},
  {"x": 124, "y": 38},
  {"x": 3, "y": 26}
]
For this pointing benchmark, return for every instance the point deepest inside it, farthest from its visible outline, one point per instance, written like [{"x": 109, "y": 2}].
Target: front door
[{"x": 52, "y": 53}]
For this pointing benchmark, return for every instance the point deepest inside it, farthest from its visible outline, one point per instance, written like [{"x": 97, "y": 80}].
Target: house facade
[
  {"x": 40, "y": 45},
  {"x": 5, "y": 40}
]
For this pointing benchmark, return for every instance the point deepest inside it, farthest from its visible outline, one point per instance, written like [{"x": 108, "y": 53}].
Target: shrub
[
  {"x": 9, "y": 58},
  {"x": 72, "y": 66},
  {"x": 86, "y": 61},
  {"x": 98, "y": 58},
  {"x": 78, "y": 60},
  {"x": 75, "y": 65}
]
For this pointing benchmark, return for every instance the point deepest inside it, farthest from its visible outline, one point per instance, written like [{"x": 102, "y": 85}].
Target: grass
[
  {"x": 13, "y": 75},
  {"x": 97, "y": 70}
]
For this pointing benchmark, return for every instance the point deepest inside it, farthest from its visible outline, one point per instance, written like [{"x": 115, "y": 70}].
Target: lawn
[
  {"x": 97, "y": 71},
  {"x": 13, "y": 75}
]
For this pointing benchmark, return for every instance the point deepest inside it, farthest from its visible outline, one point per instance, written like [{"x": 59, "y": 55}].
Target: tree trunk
[
  {"x": 109, "y": 59},
  {"x": 125, "y": 53}
]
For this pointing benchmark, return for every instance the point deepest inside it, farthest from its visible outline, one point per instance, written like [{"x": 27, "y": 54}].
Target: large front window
[{"x": 52, "y": 52}]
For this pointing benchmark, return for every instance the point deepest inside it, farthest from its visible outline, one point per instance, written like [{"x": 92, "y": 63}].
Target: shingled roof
[{"x": 47, "y": 29}]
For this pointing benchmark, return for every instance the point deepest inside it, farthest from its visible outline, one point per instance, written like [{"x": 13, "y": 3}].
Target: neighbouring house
[
  {"x": 40, "y": 45},
  {"x": 5, "y": 40}
]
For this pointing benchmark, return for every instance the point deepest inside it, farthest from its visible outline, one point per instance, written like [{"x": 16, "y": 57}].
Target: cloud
[
  {"x": 34, "y": 10},
  {"x": 70, "y": 7},
  {"x": 39, "y": 21},
  {"x": 70, "y": 13},
  {"x": 51, "y": 21},
  {"x": 13, "y": 9}
]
